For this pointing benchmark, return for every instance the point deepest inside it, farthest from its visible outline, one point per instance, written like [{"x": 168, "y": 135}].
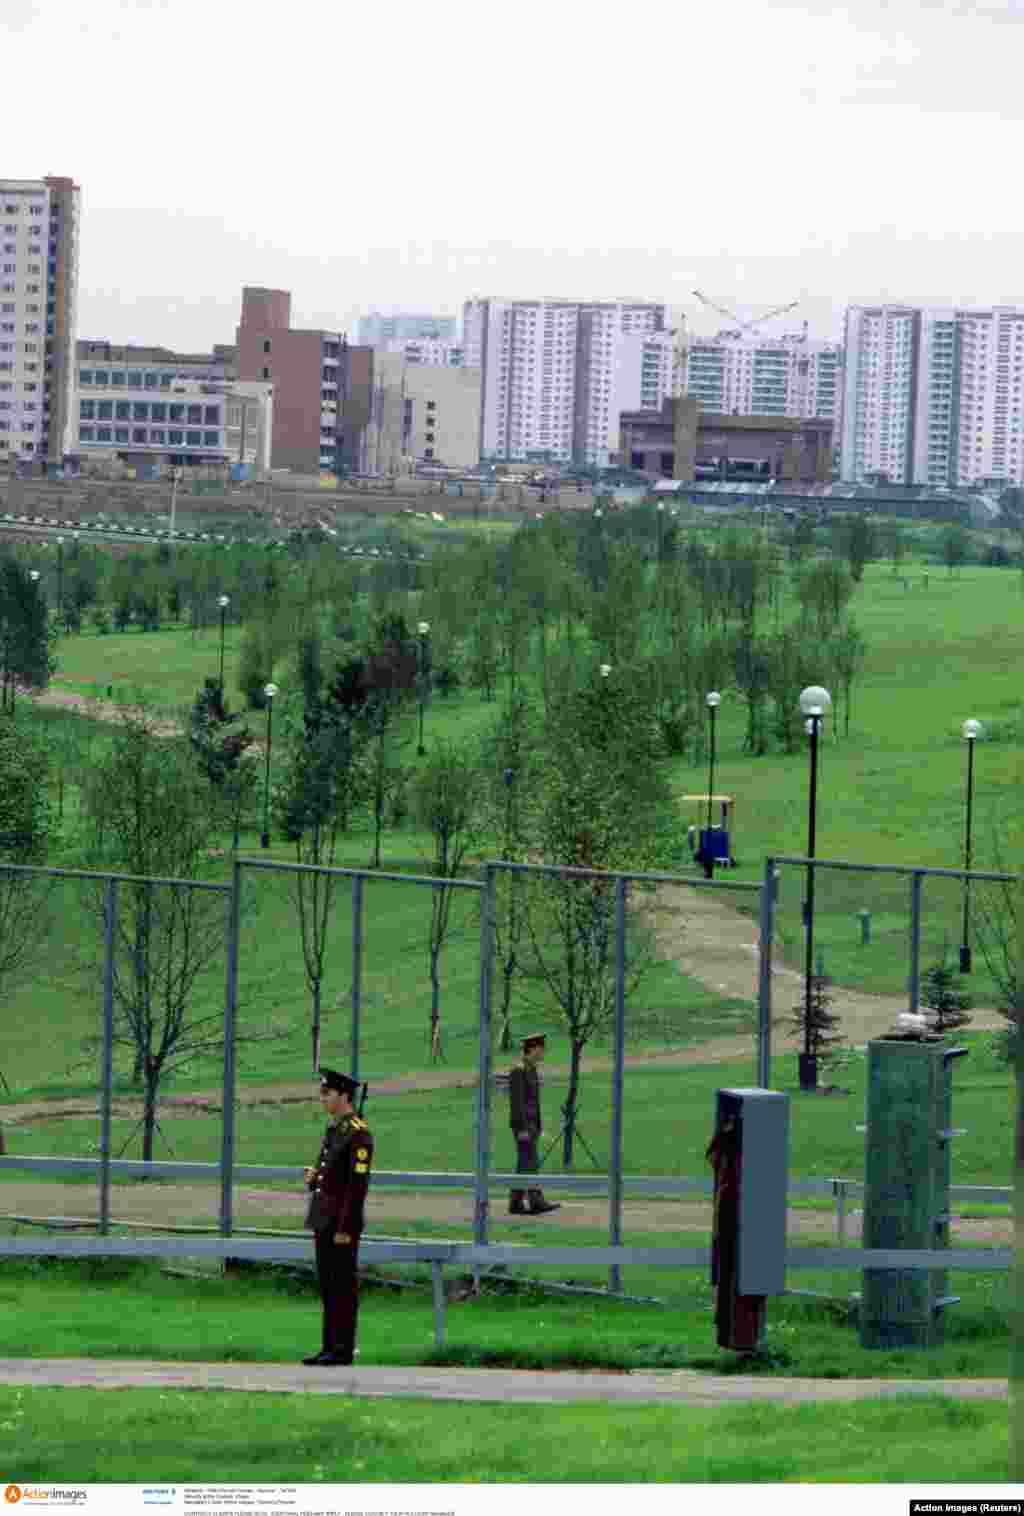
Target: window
[
  {"x": 157, "y": 435},
  {"x": 85, "y": 376},
  {"x": 103, "y": 434},
  {"x": 211, "y": 415},
  {"x": 165, "y": 381},
  {"x": 135, "y": 380},
  {"x": 86, "y": 433},
  {"x": 158, "y": 411},
  {"x": 139, "y": 434},
  {"x": 105, "y": 410},
  {"x": 266, "y": 373},
  {"x": 211, "y": 439},
  {"x": 120, "y": 434},
  {"x": 123, "y": 411},
  {"x": 175, "y": 438},
  {"x": 195, "y": 414},
  {"x": 87, "y": 410},
  {"x": 102, "y": 377},
  {"x": 266, "y": 344},
  {"x": 194, "y": 439},
  {"x": 117, "y": 377},
  {"x": 152, "y": 380},
  {"x": 177, "y": 413},
  {"x": 140, "y": 411}
]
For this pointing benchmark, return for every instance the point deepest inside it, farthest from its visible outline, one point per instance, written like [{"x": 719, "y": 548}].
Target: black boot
[
  {"x": 515, "y": 1203},
  {"x": 315, "y": 1359}
]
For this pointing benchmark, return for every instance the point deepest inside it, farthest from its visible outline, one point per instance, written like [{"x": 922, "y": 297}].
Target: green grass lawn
[
  {"x": 127, "y": 1308},
  {"x": 171, "y": 1436}
]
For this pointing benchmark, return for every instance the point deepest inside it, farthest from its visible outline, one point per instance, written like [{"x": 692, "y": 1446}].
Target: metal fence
[{"x": 612, "y": 891}]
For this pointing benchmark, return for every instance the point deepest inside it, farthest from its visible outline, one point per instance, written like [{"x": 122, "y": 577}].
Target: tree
[
  {"x": 446, "y": 803},
  {"x": 941, "y": 992},
  {"x": 386, "y": 681},
  {"x": 219, "y": 746},
  {"x": 604, "y": 804},
  {"x": 26, "y": 834},
  {"x": 823, "y": 591},
  {"x": 858, "y": 542},
  {"x": 26, "y": 635},
  {"x": 256, "y": 664},
  {"x": 148, "y": 812},
  {"x": 509, "y": 765},
  {"x": 312, "y": 805},
  {"x": 812, "y": 1025},
  {"x": 956, "y": 546},
  {"x": 847, "y": 651}
]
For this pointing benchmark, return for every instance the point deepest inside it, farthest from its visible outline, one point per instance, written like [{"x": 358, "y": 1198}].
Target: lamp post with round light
[
  {"x": 713, "y": 700},
  {"x": 661, "y": 528},
  {"x": 972, "y": 730},
  {"x": 815, "y": 703},
  {"x": 60, "y": 579},
  {"x": 423, "y": 629},
  {"x": 223, "y": 602},
  {"x": 269, "y": 690}
]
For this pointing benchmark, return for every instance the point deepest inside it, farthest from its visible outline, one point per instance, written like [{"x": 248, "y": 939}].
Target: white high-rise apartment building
[
  {"x": 428, "y": 350},
  {"x": 769, "y": 376},
  {"x": 39, "y": 235},
  {"x": 375, "y": 330},
  {"x": 556, "y": 374},
  {"x": 934, "y": 395}
]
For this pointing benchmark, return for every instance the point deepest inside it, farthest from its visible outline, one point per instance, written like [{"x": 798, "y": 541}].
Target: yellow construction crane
[{"x": 741, "y": 326}]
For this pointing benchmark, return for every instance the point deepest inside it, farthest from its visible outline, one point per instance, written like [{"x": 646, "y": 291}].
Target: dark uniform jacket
[
  {"x": 524, "y": 1093},
  {"x": 342, "y": 1178}
]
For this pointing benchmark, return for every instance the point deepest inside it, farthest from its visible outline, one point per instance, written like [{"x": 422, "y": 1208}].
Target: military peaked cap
[
  {"x": 330, "y": 1079},
  {"x": 538, "y": 1039}
]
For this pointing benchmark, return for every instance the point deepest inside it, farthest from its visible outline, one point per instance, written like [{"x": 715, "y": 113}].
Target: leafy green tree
[
  {"x": 312, "y": 805},
  {"x": 148, "y": 811},
  {"x": 604, "y": 804},
  {"x": 823, "y": 590},
  {"x": 509, "y": 764},
  {"x": 219, "y": 744},
  {"x": 846, "y": 652},
  {"x": 27, "y": 832},
  {"x": 26, "y": 634},
  {"x": 447, "y": 795},
  {"x": 255, "y": 665},
  {"x": 956, "y": 547}
]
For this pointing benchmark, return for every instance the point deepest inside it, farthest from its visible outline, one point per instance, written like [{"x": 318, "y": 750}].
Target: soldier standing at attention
[
  {"x": 524, "y": 1092},
  {"x": 338, "y": 1184}
]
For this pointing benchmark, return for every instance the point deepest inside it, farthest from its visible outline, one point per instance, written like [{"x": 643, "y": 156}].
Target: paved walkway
[{"x": 666, "y": 1386}]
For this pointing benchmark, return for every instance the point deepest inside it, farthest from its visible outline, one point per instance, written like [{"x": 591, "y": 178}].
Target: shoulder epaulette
[{"x": 358, "y": 1122}]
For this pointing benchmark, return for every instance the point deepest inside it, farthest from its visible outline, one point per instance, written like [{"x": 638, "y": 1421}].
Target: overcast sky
[{"x": 407, "y": 156}]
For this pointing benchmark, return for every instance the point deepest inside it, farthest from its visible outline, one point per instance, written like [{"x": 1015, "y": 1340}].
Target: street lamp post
[
  {"x": 223, "y": 602},
  {"x": 972, "y": 730},
  {"x": 60, "y": 580},
  {"x": 815, "y": 702},
  {"x": 423, "y": 628},
  {"x": 661, "y": 527},
  {"x": 269, "y": 690},
  {"x": 714, "y": 700}
]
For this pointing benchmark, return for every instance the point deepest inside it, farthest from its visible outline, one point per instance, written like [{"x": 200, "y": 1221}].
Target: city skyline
[{"x": 803, "y": 212}]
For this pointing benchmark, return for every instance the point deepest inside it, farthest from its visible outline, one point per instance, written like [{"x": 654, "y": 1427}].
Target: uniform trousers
[
  {"x": 527, "y": 1162},
  {"x": 339, "y": 1291}
]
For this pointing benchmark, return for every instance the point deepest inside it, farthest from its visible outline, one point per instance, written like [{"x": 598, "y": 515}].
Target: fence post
[
  {"x": 615, "y": 1185},
  {"x": 764, "y": 981},
  {"x": 435, "y": 1269},
  {"x": 840, "y": 1189},
  {"x": 483, "y": 1106},
  {"x": 915, "y": 937},
  {"x": 357, "y": 967},
  {"x": 227, "y": 1150},
  {"x": 109, "y": 920}
]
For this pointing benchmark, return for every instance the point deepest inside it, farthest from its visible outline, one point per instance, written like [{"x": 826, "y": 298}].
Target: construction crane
[{"x": 743, "y": 325}]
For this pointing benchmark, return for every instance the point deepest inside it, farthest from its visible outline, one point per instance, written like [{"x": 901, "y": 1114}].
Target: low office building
[
  {"x": 187, "y": 423},
  {"x": 684, "y": 442},
  {"x": 419, "y": 413}
]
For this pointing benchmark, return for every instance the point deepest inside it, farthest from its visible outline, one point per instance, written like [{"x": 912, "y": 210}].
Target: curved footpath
[{"x": 664, "y": 1386}]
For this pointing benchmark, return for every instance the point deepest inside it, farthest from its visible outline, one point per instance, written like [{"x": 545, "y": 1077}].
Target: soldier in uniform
[
  {"x": 524, "y": 1091},
  {"x": 338, "y": 1184}
]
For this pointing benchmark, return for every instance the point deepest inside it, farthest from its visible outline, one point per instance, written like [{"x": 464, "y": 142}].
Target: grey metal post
[
  {"x": 109, "y": 920},
  {"x": 764, "y": 981},
  {"x": 357, "y": 967},
  {"x": 915, "y": 937},
  {"x": 615, "y": 1184},
  {"x": 483, "y": 1108},
  {"x": 227, "y": 1151},
  {"x": 435, "y": 1269}
]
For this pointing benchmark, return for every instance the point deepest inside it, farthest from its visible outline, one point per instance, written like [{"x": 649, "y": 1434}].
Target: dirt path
[
  {"x": 173, "y": 1203},
  {"x": 543, "y": 1386},
  {"x": 720, "y": 947}
]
